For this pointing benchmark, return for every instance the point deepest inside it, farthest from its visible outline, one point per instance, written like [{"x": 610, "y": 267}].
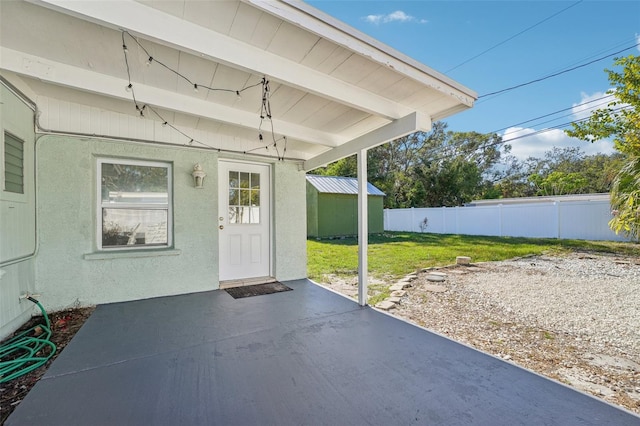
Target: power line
[
  {"x": 554, "y": 113},
  {"x": 557, "y": 73},
  {"x": 513, "y": 36}
]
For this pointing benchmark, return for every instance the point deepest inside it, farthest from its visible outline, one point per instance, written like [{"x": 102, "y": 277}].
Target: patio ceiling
[{"x": 332, "y": 91}]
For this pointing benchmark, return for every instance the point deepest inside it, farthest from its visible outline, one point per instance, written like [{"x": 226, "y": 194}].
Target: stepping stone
[
  {"x": 385, "y": 305},
  {"x": 400, "y": 286},
  {"x": 436, "y": 276},
  {"x": 398, "y": 293},
  {"x": 393, "y": 299},
  {"x": 463, "y": 260},
  {"x": 435, "y": 288}
]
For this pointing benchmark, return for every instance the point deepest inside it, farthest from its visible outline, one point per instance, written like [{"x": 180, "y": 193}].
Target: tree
[
  {"x": 620, "y": 120},
  {"x": 430, "y": 169},
  {"x": 560, "y": 183}
]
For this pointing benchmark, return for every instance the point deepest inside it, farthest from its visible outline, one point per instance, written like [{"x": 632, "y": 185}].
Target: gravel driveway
[{"x": 573, "y": 318}]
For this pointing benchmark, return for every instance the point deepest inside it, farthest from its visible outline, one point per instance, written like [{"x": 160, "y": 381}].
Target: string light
[{"x": 265, "y": 110}]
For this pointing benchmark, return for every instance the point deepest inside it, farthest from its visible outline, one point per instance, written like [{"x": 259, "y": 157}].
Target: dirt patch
[{"x": 64, "y": 325}]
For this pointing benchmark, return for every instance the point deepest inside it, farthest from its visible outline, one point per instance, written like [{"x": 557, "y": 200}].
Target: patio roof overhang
[
  {"x": 332, "y": 92},
  {"x": 313, "y": 90}
]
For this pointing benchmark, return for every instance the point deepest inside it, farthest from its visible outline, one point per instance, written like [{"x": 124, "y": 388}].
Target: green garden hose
[{"x": 26, "y": 351}]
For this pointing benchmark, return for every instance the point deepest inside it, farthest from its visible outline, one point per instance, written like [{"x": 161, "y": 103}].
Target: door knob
[{"x": 221, "y": 227}]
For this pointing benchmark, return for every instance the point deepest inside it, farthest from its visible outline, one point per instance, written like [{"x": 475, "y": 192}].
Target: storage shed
[{"x": 332, "y": 207}]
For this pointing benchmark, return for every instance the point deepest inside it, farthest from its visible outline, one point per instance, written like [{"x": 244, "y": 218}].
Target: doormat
[{"x": 257, "y": 290}]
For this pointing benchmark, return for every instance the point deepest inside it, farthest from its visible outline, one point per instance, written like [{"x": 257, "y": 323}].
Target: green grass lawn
[{"x": 395, "y": 254}]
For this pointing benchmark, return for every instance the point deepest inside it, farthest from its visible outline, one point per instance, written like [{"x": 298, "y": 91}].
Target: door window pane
[
  {"x": 244, "y": 197},
  {"x": 234, "y": 180},
  {"x": 244, "y": 180},
  {"x": 255, "y": 180}
]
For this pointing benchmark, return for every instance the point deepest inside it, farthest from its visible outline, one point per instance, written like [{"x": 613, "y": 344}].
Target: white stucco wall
[
  {"x": 69, "y": 269},
  {"x": 290, "y": 222},
  {"x": 17, "y": 219}
]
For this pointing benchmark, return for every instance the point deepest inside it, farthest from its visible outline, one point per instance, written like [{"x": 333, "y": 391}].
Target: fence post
[
  {"x": 556, "y": 204},
  {"x": 413, "y": 218},
  {"x": 500, "y": 220}
]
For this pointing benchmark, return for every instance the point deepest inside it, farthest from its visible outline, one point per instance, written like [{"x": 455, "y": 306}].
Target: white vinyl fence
[{"x": 581, "y": 220}]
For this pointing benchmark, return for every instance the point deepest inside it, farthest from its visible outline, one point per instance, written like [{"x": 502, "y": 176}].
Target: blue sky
[{"x": 517, "y": 42}]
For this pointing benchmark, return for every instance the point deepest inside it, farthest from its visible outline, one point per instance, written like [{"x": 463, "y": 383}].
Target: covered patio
[{"x": 307, "y": 356}]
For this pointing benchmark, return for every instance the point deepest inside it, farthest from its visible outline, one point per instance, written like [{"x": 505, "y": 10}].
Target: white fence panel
[
  {"x": 587, "y": 220},
  {"x": 533, "y": 221},
  {"x": 583, "y": 220},
  {"x": 398, "y": 220},
  {"x": 478, "y": 221},
  {"x": 451, "y": 220}
]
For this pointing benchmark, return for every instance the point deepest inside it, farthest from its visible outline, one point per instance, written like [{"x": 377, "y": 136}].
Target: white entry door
[{"x": 244, "y": 220}]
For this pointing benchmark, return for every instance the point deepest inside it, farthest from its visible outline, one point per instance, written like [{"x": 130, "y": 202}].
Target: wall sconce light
[{"x": 198, "y": 176}]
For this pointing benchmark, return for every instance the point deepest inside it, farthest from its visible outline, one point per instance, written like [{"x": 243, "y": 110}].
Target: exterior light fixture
[{"x": 198, "y": 176}]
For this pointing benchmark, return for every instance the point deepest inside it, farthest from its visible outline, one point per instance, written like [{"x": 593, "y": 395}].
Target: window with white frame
[
  {"x": 135, "y": 204},
  {"x": 13, "y": 164}
]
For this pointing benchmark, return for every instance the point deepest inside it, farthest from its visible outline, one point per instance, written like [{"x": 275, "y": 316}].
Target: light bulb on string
[{"x": 264, "y": 113}]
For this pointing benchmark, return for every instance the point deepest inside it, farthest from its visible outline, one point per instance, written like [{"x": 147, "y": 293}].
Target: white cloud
[
  {"x": 638, "y": 41},
  {"x": 540, "y": 142},
  {"x": 397, "y": 16},
  {"x": 589, "y": 103}
]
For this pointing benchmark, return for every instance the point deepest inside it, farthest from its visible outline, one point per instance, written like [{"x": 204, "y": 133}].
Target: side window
[
  {"x": 13, "y": 164},
  {"x": 135, "y": 204}
]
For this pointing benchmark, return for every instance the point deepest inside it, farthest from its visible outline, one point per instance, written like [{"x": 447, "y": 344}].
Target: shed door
[{"x": 244, "y": 220}]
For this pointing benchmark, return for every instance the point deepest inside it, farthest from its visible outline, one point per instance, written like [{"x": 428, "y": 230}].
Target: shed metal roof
[{"x": 340, "y": 185}]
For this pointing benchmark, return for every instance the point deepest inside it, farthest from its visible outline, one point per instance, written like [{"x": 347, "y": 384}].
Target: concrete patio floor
[{"x": 303, "y": 357}]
